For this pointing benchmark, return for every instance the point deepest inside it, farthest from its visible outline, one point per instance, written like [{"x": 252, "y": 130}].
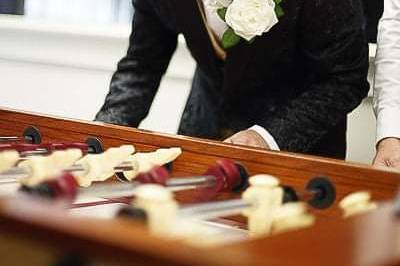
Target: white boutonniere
[{"x": 247, "y": 19}]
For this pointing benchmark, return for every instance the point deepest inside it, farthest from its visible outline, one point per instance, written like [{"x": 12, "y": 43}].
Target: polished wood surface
[
  {"x": 198, "y": 154},
  {"x": 371, "y": 239},
  {"x": 119, "y": 240},
  {"x": 44, "y": 232}
]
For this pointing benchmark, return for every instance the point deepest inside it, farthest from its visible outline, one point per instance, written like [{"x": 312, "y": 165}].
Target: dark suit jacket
[
  {"x": 299, "y": 80},
  {"x": 373, "y": 10}
]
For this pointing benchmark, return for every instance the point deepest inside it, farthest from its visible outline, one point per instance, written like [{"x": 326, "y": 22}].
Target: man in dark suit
[{"x": 298, "y": 81}]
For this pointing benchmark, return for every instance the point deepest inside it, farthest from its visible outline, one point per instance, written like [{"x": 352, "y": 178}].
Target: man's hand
[
  {"x": 388, "y": 153},
  {"x": 248, "y": 138}
]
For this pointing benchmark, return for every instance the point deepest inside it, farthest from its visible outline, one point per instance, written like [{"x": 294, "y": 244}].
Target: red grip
[
  {"x": 23, "y": 147},
  {"x": 157, "y": 175},
  {"x": 64, "y": 186},
  {"x": 6, "y": 147},
  {"x": 227, "y": 177},
  {"x": 232, "y": 175}
]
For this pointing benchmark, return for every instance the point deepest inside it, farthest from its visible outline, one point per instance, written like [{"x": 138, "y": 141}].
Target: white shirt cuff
[
  {"x": 388, "y": 125},
  {"x": 269, "y": 139}
]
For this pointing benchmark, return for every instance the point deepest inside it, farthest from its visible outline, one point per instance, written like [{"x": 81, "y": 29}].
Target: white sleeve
[
  {"x": 387, "y": 74},
  {"x": 269, "y": 139}
]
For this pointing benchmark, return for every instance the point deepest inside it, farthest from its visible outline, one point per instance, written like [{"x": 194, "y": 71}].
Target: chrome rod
[
  {"x": 15, "y": 173},
  {"x": 34, "y": 152},
  {"x": 110, "y": 190},
  {"x": 123, "y": 189},
  {"x": 124, "y": 166},
  {"x": 8, "y": 181},
  {"x": 206, "y": 211},
  {"x": 10, "y": 139},
  {"x": 195, "y": 181}
]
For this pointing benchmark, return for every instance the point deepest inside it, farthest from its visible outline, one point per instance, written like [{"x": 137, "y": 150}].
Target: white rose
[
  {"x": 250, "y": 18},
  {"x": 224, "y": 3},
  {"x": 217, "y": 4}
]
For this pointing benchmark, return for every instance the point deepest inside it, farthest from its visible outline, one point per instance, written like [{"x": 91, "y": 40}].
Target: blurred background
[
  {"x": 57, "y": 57},
  {"x": 91, "y": 11}
]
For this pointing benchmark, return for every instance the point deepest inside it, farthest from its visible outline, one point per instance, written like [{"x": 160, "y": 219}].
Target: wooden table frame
[{"x": 113, "y": 238}]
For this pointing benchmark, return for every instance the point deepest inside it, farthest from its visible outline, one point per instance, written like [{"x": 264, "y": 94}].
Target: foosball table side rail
[
  {"x": 38, "y": 233},
  {"x": 198, "y": 154},
  {"x": 34, "y": 233}
]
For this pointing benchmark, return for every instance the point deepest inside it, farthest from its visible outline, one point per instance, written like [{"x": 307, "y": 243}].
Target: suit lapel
[
  {"x": 236, "y": 61},
  {"x": 193, "y": 28},
  {"x": 266, "y": 47}
]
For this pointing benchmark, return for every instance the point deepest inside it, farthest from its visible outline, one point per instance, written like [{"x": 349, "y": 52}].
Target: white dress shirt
[
  {"x": 387, "y": 74},
  {"x": 219, "y": 26}
]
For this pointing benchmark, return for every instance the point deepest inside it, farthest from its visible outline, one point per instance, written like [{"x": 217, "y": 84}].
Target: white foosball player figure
[
  {"x": 144, "y": 161},
  {"x": 88, "y": 169},
  {"x": 265, "y": 197},
  {"x": 261, "y": 203},
  {"x": 8, "y": 159},
  {"x": 102, "y": 166},
  {"x": 357, "y": 203},
  {"x": 99, "y": 167},
  {"x": 39, "y": 168},
  {"x": 160, "y": 207},
  {"x": 292, "y": 216}
]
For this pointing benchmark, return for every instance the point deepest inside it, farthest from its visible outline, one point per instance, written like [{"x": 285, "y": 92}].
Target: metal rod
[
  {"x": 5, "y": 139},
  {"x": 206, "y": 211},
  {"x": 124, "y": 166},
  {"x": 119, "y": 190},
  {"x": 308, "y": 195},
  {"x": 27, "y": 139},
  {"x": 195, "y": 181},
  {"x": 13, "y": 172},
  {"x": 34, "y": 152},
  {"x": 110, "y": 190},
  {"x": 7, "y": 181},
  {"x": 129, "y": 189}
]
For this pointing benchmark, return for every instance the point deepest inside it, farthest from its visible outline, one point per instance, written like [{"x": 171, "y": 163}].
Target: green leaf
[
  {"x": 277, "y": 2},
  {"x": 279, "y": 11},
  {"x": 222, "y": 12},
  {"x": 230, "y": 39}
]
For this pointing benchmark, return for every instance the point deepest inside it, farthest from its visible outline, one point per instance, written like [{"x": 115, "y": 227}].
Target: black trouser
[{"x": 14, "y": 7}]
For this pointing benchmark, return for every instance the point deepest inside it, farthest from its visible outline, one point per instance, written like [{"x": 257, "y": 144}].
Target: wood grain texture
[
  {"x": 368, "y": 240},
  {"x": 198, "y": 154},
  {"x": 371, "y": 239},
  {"x": 365, "y": 240}
]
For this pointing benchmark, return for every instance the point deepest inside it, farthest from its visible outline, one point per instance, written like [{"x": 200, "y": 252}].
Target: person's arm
[
  {"x": 387, "y": 87},
  {"x": 335, "y": 51},
  {"x": 135, "y": 83}
]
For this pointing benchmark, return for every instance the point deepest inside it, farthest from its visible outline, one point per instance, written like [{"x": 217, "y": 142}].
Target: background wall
[{"x": 64, "y": 69}]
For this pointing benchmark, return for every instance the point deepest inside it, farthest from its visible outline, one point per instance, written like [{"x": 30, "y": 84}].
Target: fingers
[
  {"x": 379, "y": 162},
  {"x": 244, "y": 139},
  {"x": 388, "y": 154},
  {"x": 248, "y": 138},
  {"x": 394, "y": 163},
  {"x": 240, "y": 138},
  {"x": 229, "y": 140}
]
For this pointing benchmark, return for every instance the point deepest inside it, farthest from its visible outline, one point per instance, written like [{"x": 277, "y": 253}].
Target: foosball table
[{"x": 88, "y": 193}]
